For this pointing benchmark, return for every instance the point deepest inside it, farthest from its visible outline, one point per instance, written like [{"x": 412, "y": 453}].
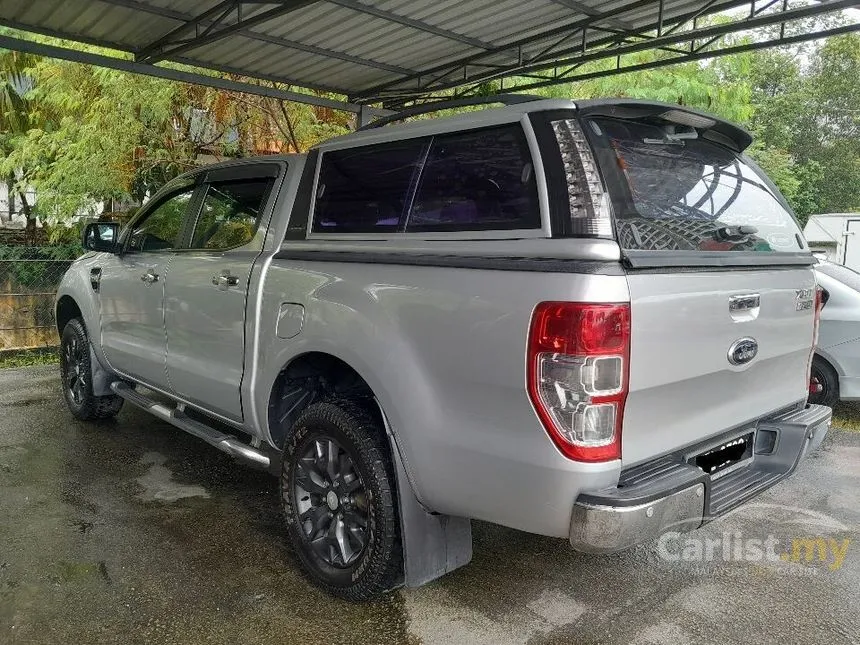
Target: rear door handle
[
  {"x": 225, "y": 280},
  {"x": 149, "y": 277}
]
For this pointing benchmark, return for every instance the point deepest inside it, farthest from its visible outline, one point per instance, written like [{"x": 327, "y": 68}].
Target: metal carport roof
[{"x": 399, "y": 50}]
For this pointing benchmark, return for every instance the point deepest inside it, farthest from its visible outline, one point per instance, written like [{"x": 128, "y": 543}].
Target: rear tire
[
  {"x": 337, "y": 490},
  {"x": 824, "y": 375},
  {"x": 77, "y": 376}
]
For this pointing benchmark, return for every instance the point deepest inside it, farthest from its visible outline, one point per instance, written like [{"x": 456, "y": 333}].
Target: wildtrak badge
[{"x": 804, "y": 299}]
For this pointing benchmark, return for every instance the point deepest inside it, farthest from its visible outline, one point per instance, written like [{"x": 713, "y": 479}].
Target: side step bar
[{"x": 223, "y": 442}]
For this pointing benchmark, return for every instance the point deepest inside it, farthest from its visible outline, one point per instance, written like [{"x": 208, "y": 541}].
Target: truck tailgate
[{"x": 683, "y": 388}]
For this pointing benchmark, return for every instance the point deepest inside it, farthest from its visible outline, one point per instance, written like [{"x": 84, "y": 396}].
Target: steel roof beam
[
  {"x": 568, "y": 75},
  {"x": 591, "y": 11},
  {"x": 235, "y": 71},
  {"x": 597, "y": 50},
  {"x": 275, "y": 40},
  {"x": 211, "y": 25},
  {"x": 694, "y": 56},
  {"x": 320, "y": 51},
  {"x": 178, "y": 59},
  {"x": 378, "y": 90},
  {"x": 753, "y": 22},
  {"x": 355, "y": 5},
  {"x": 420, "y": 25},
  {"x": 124, "y": 65}
]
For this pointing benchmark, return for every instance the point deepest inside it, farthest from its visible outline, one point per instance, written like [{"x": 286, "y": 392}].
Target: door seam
[{"x": 164, "y": 322}]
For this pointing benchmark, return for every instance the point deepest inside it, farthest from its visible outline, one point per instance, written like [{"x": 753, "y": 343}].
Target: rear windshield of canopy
[{"x": 672, "y": 190}]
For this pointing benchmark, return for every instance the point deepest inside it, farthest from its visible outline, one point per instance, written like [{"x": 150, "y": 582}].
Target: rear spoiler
[{"x": 709, "y": 126}]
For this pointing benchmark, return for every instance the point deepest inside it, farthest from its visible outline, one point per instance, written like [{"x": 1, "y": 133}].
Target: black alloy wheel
[
  {"x": 331, "y": 501},
  {"x": 76, "y": 374},
  {"x": 339, "y": 499}
]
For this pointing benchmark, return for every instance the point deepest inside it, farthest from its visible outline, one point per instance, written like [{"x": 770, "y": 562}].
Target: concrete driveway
[{"x": 133, "y": 532}]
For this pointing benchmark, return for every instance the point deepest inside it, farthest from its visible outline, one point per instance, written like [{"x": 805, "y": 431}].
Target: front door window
[{"x": 159, "y": 230}]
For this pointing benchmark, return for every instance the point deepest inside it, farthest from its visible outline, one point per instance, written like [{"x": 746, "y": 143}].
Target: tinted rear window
[
  {"x": 477, "y": 180},
  {"x": 672, "y": 190},
  {"x": 466, "y": 181},
  {"x": 364, "y": 190}
]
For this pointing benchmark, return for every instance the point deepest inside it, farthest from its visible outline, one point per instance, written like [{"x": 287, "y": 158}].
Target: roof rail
[{"x": 426, "y": 108}]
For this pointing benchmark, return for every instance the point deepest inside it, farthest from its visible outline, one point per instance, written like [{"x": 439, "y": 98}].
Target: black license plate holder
[{"x": 726, "y": 456}]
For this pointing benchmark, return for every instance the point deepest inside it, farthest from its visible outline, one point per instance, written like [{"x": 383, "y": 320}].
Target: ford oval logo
[{"x": 742, "y": 351}]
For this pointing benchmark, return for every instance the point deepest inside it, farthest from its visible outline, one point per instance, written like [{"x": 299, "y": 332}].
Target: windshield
[{"x": 672, "y": 190}]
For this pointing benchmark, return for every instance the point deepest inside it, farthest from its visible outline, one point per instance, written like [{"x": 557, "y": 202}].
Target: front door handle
[
  {"x": 149, "y": 277},
  {"x": 225, "y": 280}
]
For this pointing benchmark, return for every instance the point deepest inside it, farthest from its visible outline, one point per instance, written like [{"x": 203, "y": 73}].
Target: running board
[{"x": 174, "y": 416}]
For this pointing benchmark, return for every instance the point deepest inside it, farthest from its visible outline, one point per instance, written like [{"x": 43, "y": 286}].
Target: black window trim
[
  {"x": 491, "y": 232},
  {"x": 299, "y": 218},
  {"x": 239, "y": 172}
]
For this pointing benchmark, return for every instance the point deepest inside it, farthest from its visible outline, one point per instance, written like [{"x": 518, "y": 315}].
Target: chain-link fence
[{"x": 29, "y": 276}]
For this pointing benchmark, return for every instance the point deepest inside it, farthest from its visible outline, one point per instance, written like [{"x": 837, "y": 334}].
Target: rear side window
[
  {"x": 467, "y": 181},
  {"x": 673, "y": 190},
  {"x": 476, "y": 180},
  {"x": 365, "y": 190}
]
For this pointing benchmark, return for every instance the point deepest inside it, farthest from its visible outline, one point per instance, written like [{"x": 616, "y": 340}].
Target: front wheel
[
  {"x": 337, "y": 487},
  {"x": 77, "y": 375},
  {"x": 823, "y": 383}
]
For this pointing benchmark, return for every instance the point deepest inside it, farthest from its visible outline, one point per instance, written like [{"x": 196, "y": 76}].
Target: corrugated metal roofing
[{"x": 359, "y": 48}]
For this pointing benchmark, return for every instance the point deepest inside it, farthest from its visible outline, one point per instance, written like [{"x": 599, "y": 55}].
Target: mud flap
[
  {"x": 101, "y": 377},
  {"x": 433, "y": 544}
]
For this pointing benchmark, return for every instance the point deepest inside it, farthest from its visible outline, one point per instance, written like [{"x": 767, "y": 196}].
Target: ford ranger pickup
[{"x": 592, "y": 320}]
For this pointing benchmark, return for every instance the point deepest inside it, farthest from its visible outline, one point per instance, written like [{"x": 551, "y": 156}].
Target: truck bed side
[{"x": 443, "y": 350}]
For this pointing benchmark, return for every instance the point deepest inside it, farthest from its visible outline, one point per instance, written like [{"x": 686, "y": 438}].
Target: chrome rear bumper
[{"x": 671, "y": 494}]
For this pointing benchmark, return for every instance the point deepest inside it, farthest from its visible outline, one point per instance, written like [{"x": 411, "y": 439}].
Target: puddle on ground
[{"x": 158, "y": 482}]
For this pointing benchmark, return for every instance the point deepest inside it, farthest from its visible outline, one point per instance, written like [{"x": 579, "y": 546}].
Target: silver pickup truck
[{"x": 589, "y": 320}]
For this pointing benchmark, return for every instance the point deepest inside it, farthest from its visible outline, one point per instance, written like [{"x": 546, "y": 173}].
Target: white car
[{"x": 836, "y": 366}]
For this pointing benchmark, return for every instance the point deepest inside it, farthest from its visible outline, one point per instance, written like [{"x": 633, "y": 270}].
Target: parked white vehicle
[
  {"x": 831, "y": 237},
  {"x": 836, "y": 366}
]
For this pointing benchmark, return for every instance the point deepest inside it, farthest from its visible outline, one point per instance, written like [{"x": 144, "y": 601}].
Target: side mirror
[{"x": 101, "y": 236}]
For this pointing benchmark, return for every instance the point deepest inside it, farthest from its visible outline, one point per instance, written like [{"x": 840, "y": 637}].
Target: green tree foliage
[
  {"x": 832, "y": 138},
  {"x": 81, "y": 135},
  {"x": 17, "y": 118}
]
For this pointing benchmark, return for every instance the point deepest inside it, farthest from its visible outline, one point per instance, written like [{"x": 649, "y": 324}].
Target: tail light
[
  {"x": 578, "y": 366},
  {"x": 589, "y": 204}
]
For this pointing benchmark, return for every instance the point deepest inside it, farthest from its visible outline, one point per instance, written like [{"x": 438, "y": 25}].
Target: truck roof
[
  {"x": 725, "y": 131},
  {"x": 730, "y": 133}
]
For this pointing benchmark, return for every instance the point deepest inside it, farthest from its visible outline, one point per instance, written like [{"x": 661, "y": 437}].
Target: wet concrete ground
[{"x": 133, "y": 532}]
